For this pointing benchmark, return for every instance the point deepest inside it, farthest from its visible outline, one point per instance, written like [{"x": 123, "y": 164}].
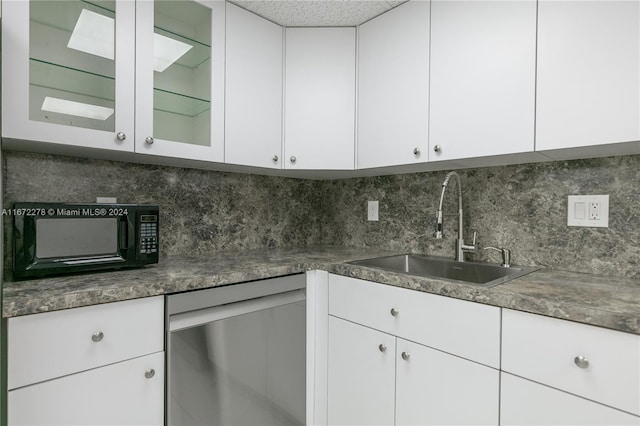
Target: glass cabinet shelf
[
  {"x": 71, "y": 80},
  {"x": 177, "y": 103},
  {"x": 195, "y": 56},
  {"x": 62, "y": 14}
]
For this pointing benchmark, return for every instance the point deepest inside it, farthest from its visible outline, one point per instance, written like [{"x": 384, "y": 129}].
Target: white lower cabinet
[
  {"x": 378, "y": 379},
  {"x": 592, "y": 362},
  {"x": 94, "y": 365},
  {"x": 361, "y": 378},
  {"x": 127, "y": 393},
  {"x": 528, "y": 403},
  {"x": 403, "y": 357},
  {"x": 436, "y": 388}
]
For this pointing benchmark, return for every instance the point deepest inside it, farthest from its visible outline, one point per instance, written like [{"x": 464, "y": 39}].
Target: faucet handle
[
  {"x": 475, "y": 236},
  {"x": 506, "y": 255}
]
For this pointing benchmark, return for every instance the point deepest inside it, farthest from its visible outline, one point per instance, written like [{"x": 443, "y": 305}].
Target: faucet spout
[{"x": 461, "y": 247}]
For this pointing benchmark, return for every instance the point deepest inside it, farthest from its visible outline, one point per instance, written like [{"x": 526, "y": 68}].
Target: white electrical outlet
[
  {"x": 588, "y": 210},
  {"x": 372, "y": 210},
  {"x": 594, "y": 210}
]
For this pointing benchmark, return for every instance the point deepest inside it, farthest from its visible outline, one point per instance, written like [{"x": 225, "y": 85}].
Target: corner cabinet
[
  {"x": 101, "y": 364},
  {"x": 393, "y": 111},
  {"x": 320, "y": 92},
  {"x": 76, "y": 73},
  {"x": 253, "y": 108},
  {"x": 482, "y": 78}
]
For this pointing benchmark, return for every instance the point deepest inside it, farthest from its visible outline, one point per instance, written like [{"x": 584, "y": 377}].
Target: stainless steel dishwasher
[{"x": 236, "y": 354}]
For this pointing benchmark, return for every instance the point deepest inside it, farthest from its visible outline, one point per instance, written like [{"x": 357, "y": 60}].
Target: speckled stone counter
[{"x": 597, "y": 300}]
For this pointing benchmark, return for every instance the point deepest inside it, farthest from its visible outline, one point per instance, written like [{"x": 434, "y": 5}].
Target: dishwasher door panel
[{"x": 247, "y": 369}]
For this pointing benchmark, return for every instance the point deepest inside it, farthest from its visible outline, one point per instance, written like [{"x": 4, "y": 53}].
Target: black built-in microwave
[{"x": 56, "y": 238}]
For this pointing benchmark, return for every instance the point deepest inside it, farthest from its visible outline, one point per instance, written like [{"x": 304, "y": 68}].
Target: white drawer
[
  {"x": 54, "y": 344},
  {"x": 467, "y": 329},
  {"x": 544, "y": 350}
]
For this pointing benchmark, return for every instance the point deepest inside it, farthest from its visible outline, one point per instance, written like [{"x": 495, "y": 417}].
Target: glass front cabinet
[{"x": 139, "y": 76}]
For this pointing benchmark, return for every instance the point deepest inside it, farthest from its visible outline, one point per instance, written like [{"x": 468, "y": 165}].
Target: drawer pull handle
[
  {"x": 394, "y": 312},
  {"x": 382, "y": 347},
  {"x": 581, "y": 361},
  {"x": 406, "y": 356},
  {"x": 150, "y": 373},
  {"x": 97, "y": 336}
]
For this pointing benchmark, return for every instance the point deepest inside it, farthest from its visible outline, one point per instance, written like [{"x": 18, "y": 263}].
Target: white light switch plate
[
  {"x": 106, "y": 200},
  {"x": 372, "y": 210},
  {"x": 588, "y": 210}
]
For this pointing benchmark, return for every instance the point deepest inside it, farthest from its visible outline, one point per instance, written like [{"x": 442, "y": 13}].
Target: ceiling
[{"x": 313, "y": 13}]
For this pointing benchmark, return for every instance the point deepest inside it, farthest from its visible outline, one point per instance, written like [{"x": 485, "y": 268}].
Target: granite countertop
[{"x": 610, "y": 302}]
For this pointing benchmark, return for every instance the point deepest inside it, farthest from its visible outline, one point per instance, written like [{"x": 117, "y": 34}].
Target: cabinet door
[
  {"x": 125, "y": 393},
  {"x": 435, "y": 388},
  {"x": 588, "y": 66},
  {"x": 393, "y": 111},
  {"x": 482, "y": 78},
  {"x": 320, "y": 91},
  {"x": 528, "y": 403},
  {"x": 67, "y": 73},
  {"x": 253, "y": 107},
  {"x": 180, "y": 78},
  {"x": 361, "y": 382}
]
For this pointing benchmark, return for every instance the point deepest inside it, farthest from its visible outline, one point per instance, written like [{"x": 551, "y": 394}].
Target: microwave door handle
[{"x": 126, "y": 231}]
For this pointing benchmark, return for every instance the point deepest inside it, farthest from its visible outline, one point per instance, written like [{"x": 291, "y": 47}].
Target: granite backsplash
[
  {"x": 200, "y": 211},
  {"x": 520, "y": 207}
]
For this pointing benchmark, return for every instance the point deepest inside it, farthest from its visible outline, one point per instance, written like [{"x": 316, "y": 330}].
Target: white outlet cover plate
[{"x": 578, "y": 211}]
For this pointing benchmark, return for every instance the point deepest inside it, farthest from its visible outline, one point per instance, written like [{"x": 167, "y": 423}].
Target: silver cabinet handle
[
  {"x": 150, "y": 373},
  {"x": 394, "y": 312},
  {"x": 97, "y": 336},
  {"x": 416, "y": 151},
  {"x": 405, "y": 356},
  {"x": 437, "y": 148},
  {"x": 581, "y": 361},
  {"x": 293, "y": 159},
  {"x": 121, "y": 136},
  {"x": 275, "y": 158},
  {"x": 149, "y": 140},
  {"x": 382, "y": 347}
]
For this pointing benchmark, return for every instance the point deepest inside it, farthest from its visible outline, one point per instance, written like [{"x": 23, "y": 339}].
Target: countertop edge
[{"x": 508, "y": 296}]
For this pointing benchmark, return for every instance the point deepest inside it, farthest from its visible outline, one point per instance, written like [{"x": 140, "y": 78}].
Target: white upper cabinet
[
  {"x": 253, "y": 108},
  {"x": 67, "y": 74},
  {"x": 180, "y": 79},
  {"x": 393, "y": 87},
  {"x": 320, "y": 86},
  {"x": 482, "y": 78},
  {"x": 588, "y": 68}
]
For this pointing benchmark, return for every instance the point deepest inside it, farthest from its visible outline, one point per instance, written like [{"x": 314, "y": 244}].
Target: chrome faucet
[{"x": 461, "y": 247}]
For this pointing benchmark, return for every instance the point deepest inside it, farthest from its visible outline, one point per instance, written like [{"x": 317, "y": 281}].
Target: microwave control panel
[{"x": 148, "y": 233}]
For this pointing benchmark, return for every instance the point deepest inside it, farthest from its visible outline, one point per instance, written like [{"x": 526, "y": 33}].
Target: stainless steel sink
[{"x": 475, "y": 273}]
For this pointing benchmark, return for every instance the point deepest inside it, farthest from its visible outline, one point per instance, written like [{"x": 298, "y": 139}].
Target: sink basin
[{"x": 475, "y": 273}]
